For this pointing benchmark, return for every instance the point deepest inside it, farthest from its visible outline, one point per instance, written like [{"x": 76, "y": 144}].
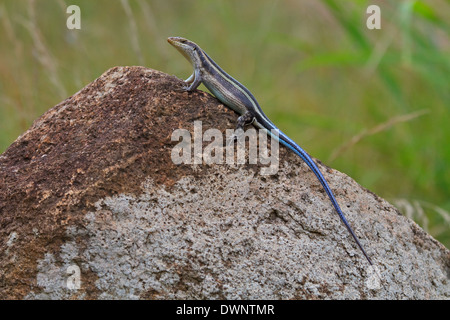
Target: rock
[{"x": 90, "y": 193}]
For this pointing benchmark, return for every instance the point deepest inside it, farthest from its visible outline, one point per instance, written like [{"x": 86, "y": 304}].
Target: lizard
[{"x": 237, "y": 97}]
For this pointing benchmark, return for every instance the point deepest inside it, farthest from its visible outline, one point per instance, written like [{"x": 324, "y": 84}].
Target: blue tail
[{"x": 284, "y": 139}]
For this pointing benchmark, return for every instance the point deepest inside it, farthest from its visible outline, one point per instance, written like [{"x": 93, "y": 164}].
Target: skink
[{"x": 237, "y": 97}]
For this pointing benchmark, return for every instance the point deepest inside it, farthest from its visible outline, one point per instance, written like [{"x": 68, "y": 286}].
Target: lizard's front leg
[
  {"x": 190, "y": 79},
  {"x": 193, "y": 81}
]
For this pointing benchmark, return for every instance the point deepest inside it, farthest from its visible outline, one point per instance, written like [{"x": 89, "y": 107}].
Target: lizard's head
[{"x": 187, "y": 48}]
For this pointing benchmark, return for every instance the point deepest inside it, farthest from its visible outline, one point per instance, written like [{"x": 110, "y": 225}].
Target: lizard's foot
[{"x": 182, "y": 88}]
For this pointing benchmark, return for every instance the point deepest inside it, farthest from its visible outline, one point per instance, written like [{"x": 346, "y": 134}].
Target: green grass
[{"x": 371, "y": 103}]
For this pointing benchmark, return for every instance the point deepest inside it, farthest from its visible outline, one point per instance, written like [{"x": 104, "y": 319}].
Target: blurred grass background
[{"x": 371, "y": 103}]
